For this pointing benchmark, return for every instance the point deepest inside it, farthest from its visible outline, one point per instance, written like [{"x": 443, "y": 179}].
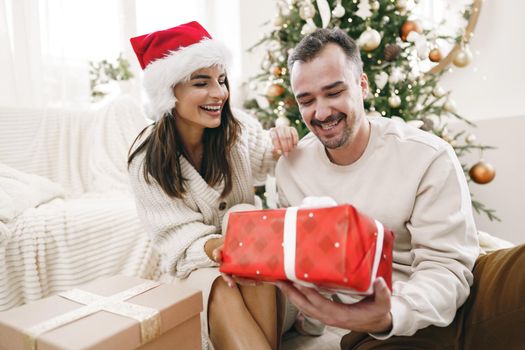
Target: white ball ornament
[
  {"x": 394, "y": 101},
  {"x": 369, "y": 40}
]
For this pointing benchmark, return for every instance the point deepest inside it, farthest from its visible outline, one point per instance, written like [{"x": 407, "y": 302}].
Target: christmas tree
[{"x": 400, "y": 56}]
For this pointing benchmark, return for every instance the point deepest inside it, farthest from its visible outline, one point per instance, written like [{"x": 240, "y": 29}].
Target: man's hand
[
  {"x": 284, "y": 139},
  {"x": 370, "y": 315}
]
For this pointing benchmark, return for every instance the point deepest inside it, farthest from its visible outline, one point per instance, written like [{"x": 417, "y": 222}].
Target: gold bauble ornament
[
  {"x": 482, "y": 172},
  {"x": 435, "y": 55},
  {"x": 375, "y": 5},
  {"x": 463, "y": 57},
  {"x": 408, "y": 27},
  {"x": 274, "y": 90},
  {"x": 369, "y": 39},
  {"x": 277, "y": 71}
]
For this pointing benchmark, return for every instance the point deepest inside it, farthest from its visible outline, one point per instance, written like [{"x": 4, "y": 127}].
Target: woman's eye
[
  {"x": 222, "y": 82},
  {"x": 305, "y": 103},
  {"x": 200, "y": 84},
  {"x": 333, "y": 94}
]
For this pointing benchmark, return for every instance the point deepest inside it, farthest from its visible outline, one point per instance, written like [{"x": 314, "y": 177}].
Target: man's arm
[{"x": 444, "y": 247}]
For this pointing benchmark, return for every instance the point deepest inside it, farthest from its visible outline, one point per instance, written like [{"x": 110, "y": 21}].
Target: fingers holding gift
[
  {"x": 229, "y": 280},
  {"x": 234, "y": 280},
  {"x": 382, "y": 295},
  {"x": 302, "y": 298},
  {"x": 284, "y": 139},
  {"x": 369, "y": 315}
]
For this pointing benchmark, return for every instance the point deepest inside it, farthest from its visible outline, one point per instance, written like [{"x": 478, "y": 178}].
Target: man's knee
[{"x": 500, "y": 275}]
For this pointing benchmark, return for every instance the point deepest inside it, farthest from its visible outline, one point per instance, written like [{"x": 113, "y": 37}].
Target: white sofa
[{"x": 84, "y": 225}]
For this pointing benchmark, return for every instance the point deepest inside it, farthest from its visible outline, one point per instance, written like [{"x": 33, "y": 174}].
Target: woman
[{"x": 188, "y": 168}]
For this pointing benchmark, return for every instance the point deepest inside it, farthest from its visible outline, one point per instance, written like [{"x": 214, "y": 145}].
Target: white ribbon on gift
[
  {"x": 289, "y": 241},
  {"x": 148, "y": 318}
]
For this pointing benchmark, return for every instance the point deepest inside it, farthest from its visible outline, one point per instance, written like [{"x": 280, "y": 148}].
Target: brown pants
[{"x": 493, "y": 317}]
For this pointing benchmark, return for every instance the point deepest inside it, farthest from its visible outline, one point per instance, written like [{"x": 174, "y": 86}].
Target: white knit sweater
[{"x": 179, "y": 228}]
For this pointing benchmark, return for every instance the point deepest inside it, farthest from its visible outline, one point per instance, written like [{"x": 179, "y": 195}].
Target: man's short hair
[{"x": 312, "y": 44}]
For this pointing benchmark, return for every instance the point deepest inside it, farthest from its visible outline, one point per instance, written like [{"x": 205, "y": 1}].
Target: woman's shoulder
[{"x": 246, "y": 119}]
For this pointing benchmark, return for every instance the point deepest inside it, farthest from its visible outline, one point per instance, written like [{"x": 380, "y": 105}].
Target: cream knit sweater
[
  {"x": 179, "y": 228},
  {"x": 413, "y": 183}
]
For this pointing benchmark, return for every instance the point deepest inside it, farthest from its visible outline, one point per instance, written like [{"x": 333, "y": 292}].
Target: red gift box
[{"x": 335, "y": 248}]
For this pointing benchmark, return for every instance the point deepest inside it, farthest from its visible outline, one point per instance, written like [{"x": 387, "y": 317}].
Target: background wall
[{"x": 489, "y": 92}]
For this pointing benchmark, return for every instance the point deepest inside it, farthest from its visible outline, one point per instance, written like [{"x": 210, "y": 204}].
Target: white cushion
[{"x": 20, "y": 191}]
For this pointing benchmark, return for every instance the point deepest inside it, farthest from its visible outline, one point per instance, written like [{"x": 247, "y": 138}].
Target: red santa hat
[{"x": 170, "y": 56}]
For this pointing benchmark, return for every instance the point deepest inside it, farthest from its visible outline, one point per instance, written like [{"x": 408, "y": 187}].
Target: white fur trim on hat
[{"x": 161, "y": 75}]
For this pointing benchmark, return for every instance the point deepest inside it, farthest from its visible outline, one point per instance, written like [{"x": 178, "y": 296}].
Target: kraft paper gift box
[
  {"x": 170, "y": 318},
  {"x": 334, "y": 248}
]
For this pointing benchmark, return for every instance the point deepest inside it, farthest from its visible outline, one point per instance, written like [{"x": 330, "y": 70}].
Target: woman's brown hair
[{"x": 163, "y": 148}]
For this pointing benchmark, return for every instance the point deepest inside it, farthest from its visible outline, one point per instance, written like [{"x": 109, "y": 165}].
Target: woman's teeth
[{"x": 211, "y": 108}]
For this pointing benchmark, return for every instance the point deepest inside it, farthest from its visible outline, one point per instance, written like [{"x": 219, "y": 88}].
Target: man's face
[{"x": 330, "y": 96}]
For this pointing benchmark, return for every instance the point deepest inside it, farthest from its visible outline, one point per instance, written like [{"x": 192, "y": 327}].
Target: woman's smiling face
[{"x": 200, "y": 99}]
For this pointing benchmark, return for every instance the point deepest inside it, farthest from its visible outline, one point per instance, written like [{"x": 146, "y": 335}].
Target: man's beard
[{"x": 334, "y": 143}]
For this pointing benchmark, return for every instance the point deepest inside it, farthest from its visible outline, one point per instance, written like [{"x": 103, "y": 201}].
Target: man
[{"x": 413, "y": 183}]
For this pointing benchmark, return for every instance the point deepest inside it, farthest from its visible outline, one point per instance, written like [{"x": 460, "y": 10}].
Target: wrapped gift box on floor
[
  {"x": 335, "y": 248},
  {"x": 169, "y": 318}
]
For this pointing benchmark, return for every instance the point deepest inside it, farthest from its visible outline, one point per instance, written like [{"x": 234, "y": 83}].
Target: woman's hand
[
  {"x": 213, "y": 248},
  {"x": 284, "y": 139},
  {"x": 216, "y": 255}
]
